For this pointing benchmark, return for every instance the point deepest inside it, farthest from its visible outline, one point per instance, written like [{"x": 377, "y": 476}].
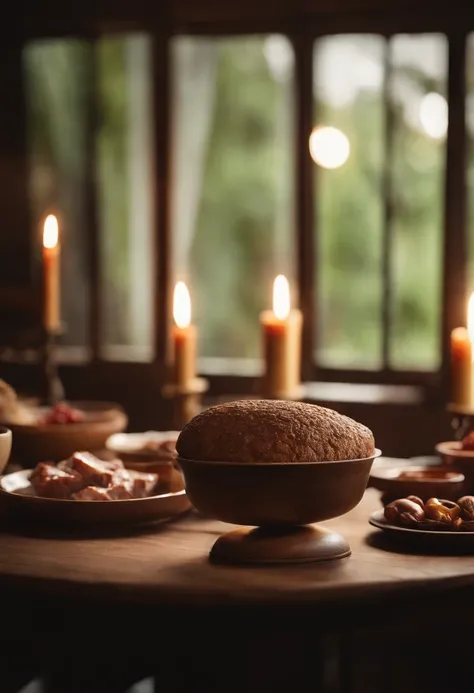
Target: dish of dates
[{"x": 434, "y": 515}]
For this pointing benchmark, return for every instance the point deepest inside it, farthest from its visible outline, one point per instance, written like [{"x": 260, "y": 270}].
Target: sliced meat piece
[
  {"x": 65, "y": 465},
  {"x": 119, "y": 492},
  {"x": 95, "y": 472},
  {"x": 121, "y": 477},
  {"x": 109, "y": 465},
  {"x": 50, "y": 482},
  {"x": 92, "y": 493},
  {"x": 142, "y": 485}
]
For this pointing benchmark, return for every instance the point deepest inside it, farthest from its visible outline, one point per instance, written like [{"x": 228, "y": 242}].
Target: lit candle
[
  {"x": 462, "y": 355},
  {"x": 282, "y": 343},
  {"x": 51, "y": 259},
  {"x": 184, "y": 337}
]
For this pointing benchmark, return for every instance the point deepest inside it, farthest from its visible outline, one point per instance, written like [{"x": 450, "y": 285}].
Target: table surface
[{"x": 169, "y": 564}]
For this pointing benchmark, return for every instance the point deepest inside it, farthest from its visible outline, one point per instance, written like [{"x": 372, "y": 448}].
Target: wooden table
[{"x": 152, "y": 603}]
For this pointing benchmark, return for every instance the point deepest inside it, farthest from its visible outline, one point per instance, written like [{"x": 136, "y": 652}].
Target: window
[
  {"x": 231, "y": 178},
  {"x": 56, "y": 75},
  {"x": 349, "y": 214},
  {"x": 89, "y": 117},
  {"x": 232, "y": 188},
  {"x": 470, "y": 158},
  {"x": 379, "y": 214}
]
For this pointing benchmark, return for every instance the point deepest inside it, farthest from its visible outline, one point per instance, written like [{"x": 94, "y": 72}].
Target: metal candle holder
[
  {"x": 54, "y": 389},
  {"x": 186, "y": 400}
]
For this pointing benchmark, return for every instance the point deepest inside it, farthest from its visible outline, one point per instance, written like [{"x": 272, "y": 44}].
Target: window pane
[
  {"x": 232, "y": 192},
  {"x": 349, "y": 120},
  {"x": 419, "y": 110},
  {"x": 124, "y": 150},
  {"x": 57, "y": 100},
  {"x": 470, "y": 160},
  {"x": 60, "y": 98}
]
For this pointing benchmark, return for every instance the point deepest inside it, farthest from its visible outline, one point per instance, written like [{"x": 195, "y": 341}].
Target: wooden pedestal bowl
[{"x": 277, "y": 504}]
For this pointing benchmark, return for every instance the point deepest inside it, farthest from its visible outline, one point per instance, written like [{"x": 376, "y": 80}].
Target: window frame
[{"x": 302, "y": 32}]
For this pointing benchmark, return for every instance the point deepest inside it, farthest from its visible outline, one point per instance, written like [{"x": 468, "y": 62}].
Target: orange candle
[
  {"x": 51, "y": 260},
  {"x": 184, "y": 338},
  {"x": 281, "y": 329},
  {"x": 462, "y": 355}
]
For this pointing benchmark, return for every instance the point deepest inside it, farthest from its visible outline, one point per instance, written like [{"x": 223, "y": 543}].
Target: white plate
[{"x": 132, "y": 443}]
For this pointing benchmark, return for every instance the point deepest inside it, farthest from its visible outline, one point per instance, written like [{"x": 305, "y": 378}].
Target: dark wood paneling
[
  {"x": 19, "y": 305},
  {"x": 55, "y": 17},
  {"x": 14, "y": 219}
]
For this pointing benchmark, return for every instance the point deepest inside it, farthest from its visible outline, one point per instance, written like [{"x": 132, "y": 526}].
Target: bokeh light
[
  {"x": 434, "y": 115},
  {"x": 329, "y": 147}
]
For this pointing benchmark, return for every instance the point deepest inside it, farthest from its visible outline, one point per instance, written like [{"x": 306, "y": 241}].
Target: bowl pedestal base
[{"x": 273, "y": 545}]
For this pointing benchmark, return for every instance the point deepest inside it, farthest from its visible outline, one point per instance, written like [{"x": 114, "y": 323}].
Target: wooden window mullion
[
  {"x": 91, "y": 201},
  {"x": 304, "y": 197},
  {"x": 20, "y": 305},
  {"x": 455, "y": 203},
  {"x": 162, "y": 254},
  {"x": 387, "y": 201}
]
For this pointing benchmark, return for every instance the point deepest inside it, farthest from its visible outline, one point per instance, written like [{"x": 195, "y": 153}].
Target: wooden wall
[{"x": 43, "y": 17}]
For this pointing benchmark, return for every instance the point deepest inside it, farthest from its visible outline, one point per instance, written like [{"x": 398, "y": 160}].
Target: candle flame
[
  {"x": 181, "y": 305},
  {"x": 470, "y": 317},
  {"x": 281, "y": 297},
  {"x": 50, "y": 232}
]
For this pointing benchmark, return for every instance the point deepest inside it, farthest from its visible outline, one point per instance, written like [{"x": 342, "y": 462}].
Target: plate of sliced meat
[{"x": 86, "y": 489}]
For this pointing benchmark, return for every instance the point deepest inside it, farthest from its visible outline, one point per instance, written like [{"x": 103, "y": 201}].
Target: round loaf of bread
[{"x": 273, "y": 432}]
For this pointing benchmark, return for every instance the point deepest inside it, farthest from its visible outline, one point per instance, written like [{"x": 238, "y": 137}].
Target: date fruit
[
  {"x": 466, "y": 504},
  {"x": 442, "y": 510},
  {"x": 404, "y": 512},
  {"x": 416, "y": 500}
]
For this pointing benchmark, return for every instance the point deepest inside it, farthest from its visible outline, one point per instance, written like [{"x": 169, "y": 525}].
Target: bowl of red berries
[
  {"x": 459, "y": 456},
  {"x": 54, "y": 433}
]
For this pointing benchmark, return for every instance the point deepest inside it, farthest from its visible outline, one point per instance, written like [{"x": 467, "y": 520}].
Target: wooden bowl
[
  {"x": 459, "y": 460},
  {"x": 276, "y": 498},
  {"x": 424, "y": 482},
  {"x": 33, "y": 443},
  {"x": 5, "y": 446}
]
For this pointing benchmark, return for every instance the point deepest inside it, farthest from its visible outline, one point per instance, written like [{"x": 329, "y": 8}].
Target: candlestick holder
[
  {"x": 53, "y": 387},
  {"x": 186, "y": 400},
  {"x": 462, "y": 419}
]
